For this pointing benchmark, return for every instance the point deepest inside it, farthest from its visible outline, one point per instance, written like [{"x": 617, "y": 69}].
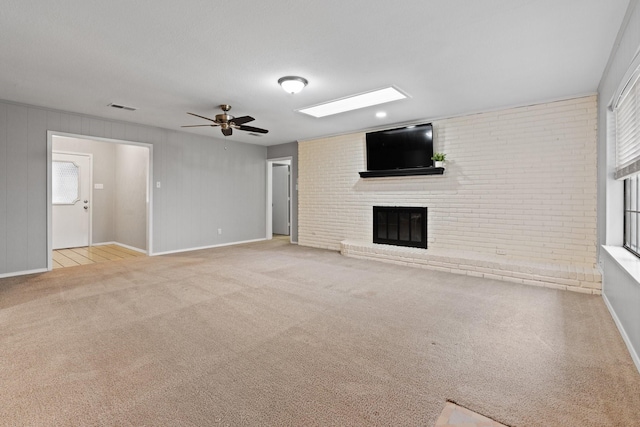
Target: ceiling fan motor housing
[{"x": 223, "y": 118}]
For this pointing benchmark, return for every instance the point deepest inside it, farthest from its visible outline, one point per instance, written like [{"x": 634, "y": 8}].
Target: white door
[
  {"x": 280, "y": 199},
  {"x": 70, "y": 194}
]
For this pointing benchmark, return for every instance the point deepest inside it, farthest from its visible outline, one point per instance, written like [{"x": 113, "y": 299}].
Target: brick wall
[{"x": 519, "y": 182}]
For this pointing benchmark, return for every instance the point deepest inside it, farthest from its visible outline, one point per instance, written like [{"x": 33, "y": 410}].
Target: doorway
[
  {"x": 281, "y": 223},
  {"x": 115, "y": 198},
  {"x": 279, "y": 192}
]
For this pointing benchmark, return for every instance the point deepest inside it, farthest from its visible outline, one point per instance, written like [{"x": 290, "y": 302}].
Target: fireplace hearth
[{"x": 400, "y": 226}]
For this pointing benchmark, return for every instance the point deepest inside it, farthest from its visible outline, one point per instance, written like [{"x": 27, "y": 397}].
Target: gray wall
[
  {"x": 289, "y": 150},
  {"x": 102, "y": 225},
  {"x": 130, "y": 202},
  {"x": 620, "y": 289},
  {"x": 207, "y": 184}
]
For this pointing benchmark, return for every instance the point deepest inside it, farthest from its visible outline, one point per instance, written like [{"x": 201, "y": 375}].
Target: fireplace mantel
[{"x": 402, "y": 172}]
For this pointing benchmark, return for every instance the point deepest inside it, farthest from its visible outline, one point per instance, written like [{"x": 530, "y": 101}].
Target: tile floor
[
  {"x": 90, "y": 255},
  {"x": 283, "y": 237},
  {"x": 456, "y": 416}
]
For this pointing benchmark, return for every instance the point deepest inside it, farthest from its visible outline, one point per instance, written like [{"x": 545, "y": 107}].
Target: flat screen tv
[{"x": 403, "y": 148}]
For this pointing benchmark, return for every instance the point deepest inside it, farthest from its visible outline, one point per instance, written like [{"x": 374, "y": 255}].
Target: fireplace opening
[{"x": 400, "y": 226}]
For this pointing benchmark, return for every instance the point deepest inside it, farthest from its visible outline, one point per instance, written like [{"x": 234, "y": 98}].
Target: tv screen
[{"x": 402, "y": 148}]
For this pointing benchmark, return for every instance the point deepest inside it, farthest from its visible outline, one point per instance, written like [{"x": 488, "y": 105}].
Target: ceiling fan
[{"x": 227, "y": 122}]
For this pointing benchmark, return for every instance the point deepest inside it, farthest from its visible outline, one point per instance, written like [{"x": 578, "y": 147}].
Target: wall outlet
[
  {"x": 219, "y": 230},
  {"x": 158, "y": 184},
  {"x": 98, "y": 186},
  {"x": 501, "y": 252}
]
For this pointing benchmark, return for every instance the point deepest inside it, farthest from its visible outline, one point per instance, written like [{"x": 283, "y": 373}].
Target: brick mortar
[
  {"x": 507, "y": 270},
  {"x": 536, "y": 200}
]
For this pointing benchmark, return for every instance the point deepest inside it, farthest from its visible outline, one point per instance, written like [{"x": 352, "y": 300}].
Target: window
[
  {"x": 627, "y": 138},
  {"x": 632, "y": 214},
  {"x": 64, "y": 183}
]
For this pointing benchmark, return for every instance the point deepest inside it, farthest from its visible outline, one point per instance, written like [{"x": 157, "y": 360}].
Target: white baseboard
[
  {"x": 120, "y": 244},
  {"x": 207, "y": 247},
  {"x": 623, "y": 333},
  {"x": 23, "y": 273}
]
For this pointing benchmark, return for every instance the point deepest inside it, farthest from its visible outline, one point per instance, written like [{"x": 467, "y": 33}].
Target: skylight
[{"x": 354, "y": 102}]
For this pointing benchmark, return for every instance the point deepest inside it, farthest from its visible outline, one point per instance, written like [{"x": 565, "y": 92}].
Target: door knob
[
  {"x": 86, "y": 207},
  {"x": 86, "y": 201}
]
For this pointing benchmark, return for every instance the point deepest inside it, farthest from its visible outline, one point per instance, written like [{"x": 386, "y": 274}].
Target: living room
[{"x": 528, "y": 207}]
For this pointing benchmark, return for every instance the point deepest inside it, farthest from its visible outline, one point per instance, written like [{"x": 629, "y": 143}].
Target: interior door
[
  {"x": 70, "y": 195},
  {"x": 280, "y": 194}
]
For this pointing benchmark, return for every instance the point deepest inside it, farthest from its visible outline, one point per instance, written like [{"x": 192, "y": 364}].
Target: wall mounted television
[{"x": 401, "y": 151}]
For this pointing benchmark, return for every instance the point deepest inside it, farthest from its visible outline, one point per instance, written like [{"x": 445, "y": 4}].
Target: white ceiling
[{"x": 167, "y": 57}]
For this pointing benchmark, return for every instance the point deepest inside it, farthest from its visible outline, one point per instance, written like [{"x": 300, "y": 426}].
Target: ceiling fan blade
[
  {"x": 195, "y": 126},
  {"x": 227, "y": 132},
  {"x": 202, "y": 117},
  {"x": 242, "y": 120},
  {"x": 252, "y": 129}
]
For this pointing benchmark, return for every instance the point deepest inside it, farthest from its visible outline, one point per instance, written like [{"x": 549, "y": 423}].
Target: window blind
[{"x": 627, "y": 115}]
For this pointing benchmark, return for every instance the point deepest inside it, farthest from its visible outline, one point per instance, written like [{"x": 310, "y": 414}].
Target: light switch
[
  {"x": 158, "y": 184},
  {"x": 98, "y": 186}
]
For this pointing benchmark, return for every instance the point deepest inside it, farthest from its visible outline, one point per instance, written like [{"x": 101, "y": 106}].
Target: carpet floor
[{"x": 273, "y": 334}]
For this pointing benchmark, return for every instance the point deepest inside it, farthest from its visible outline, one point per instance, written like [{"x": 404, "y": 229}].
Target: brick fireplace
[{"x": 517, "y": 201}]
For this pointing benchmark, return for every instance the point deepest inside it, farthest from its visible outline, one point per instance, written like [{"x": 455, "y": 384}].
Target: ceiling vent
[{"x": 122, "y": 107}]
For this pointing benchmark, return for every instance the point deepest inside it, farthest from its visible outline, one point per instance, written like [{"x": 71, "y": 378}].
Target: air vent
[
  {"x": 122, "y": 107},
  {"x": 255, "y": 134}
]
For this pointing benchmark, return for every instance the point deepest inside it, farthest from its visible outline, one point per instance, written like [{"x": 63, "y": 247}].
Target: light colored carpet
[{"x": 275, "y": 334}]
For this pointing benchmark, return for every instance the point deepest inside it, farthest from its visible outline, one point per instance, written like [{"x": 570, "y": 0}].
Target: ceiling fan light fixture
[{"x": 292, "y": 84}]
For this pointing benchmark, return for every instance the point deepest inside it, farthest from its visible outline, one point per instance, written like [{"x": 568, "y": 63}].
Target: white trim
[
  {"x": 623, "y": 333},
  {"x": 49, "y": 202},
  {"x": 269, "y": 201},
  {"x": 22, "y": 273},
  {"x": 269, "y": 207},
  {"x": 50, "y": 135},
  {"x": 626, "y": 260},
  {"x": 142, "y": 251},
  {"x": 207, "y": 247},
  {"x": 630, "y": 264}
]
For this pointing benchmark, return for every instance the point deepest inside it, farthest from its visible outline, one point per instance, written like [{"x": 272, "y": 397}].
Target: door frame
[
  {"x": 269, "y": 207},
  {"x": 90, "y": 197},
  {"x": 50, "y": 135}
]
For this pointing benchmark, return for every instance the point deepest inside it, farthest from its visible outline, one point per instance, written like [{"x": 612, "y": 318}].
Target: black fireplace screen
[{"x": 400, "y": 226}]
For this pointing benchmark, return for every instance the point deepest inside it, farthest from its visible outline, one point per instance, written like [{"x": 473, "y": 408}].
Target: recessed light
[
  {"x": 354, "y": 102},
  {"x": 381, "y": 114}
]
